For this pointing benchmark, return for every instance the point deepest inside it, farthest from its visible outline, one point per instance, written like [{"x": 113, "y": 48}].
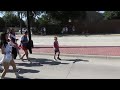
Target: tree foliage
[
  {"x": 11, "y": 20},
  {"x": 112, "y": 15},
  {"x": 2, "y": 23},
  {"x": 64, "y": 16}
]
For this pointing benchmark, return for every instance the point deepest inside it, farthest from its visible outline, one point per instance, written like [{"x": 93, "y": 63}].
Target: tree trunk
[
  {"x": 28, "y": 24},
  {"x": 21, "y": 22},
  {"x": 29, "y": 32}
]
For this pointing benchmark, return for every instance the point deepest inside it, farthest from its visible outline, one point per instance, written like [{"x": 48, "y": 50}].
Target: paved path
[
  {"x": 44, "y": 67},
  {"x": 78, "y": 40}
]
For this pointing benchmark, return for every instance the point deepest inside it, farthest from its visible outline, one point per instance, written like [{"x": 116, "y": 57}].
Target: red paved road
[{"x": 88, "y": 50}]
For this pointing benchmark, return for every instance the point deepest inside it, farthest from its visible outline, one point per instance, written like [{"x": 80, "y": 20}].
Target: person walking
[
  {"x": 7, "y": 60},
  {"x": 15, "y": 49},
  {"x": 24, "y": 44},
  {"x": 56, "y": 49}
]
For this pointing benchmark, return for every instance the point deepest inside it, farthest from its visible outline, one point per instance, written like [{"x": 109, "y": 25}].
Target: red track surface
[{"x": 88, "y": 50}]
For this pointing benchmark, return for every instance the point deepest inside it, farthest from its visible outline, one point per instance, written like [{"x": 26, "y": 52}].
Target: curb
[{"x": 37, "y": 46}]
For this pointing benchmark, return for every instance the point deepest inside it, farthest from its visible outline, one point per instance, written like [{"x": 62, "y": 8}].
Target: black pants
[{"x": 14, "y": 52}]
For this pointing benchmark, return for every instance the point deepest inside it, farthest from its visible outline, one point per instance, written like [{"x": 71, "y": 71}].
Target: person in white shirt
[
  {"x": 12, "y": 37},
  {"x": 66, "y": 30},
  {"x": 7, "y": 60},
  {"x": 73, "y": 29}
]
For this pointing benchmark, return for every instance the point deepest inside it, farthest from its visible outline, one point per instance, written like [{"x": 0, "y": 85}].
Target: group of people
[
  {"x": 10, "y": 49},
  {"x": 65, "y": 30}
]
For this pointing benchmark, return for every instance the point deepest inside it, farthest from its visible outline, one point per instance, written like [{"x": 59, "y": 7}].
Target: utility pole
[
  {"x": 29, "y": 32},
  {"x": 28, "y": 24}
]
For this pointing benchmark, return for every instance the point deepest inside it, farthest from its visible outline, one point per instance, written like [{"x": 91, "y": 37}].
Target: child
[{"x": 56, "y": 48}]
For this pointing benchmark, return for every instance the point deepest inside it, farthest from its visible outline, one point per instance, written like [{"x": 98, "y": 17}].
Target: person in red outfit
[{"x": 56, "y": 49}]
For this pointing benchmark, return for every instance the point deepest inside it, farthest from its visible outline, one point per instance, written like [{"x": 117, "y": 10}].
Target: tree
[
  {"x": 2, "y": 23},
  {"x": 20, "y": 15},
  {"x": 7, "y": 12},
  {"x": 11, "y": 20},
  {"x": 43, "y": 20},
  {"x": 23, "y": 14},
  {"x": 64, "y": 16},
  {"x": 112, "y": 15},
  {"x": 68, "y": 18}
]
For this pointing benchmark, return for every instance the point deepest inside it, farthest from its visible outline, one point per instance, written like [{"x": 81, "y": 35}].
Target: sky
[
  {"x": 1, "y": 15},
  {"x": 101, "y": 11}
]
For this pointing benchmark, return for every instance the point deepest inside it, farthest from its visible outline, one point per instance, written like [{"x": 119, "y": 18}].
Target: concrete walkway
[
  {"x": 44, "y": 67},
  {"x": 78, "y": 40}
]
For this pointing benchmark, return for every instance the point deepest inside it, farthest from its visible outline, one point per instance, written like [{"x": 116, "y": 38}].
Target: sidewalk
[{"x": 44, "y": 67}]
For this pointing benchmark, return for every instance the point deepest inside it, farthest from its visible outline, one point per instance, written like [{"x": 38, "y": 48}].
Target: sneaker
[
  {"x": 55, "y": 59},
  {"x": 58, "y": 58},
  {"x": 19, "y": 77}
]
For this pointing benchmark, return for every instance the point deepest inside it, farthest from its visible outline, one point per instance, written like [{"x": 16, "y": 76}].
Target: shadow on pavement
[
  {"x": 9, "y": 78},
  {"x": 28, "y": 64},
  {"x": 76, "y": 60},
  {"x": 16, "y": 78},
  {"x": 22, "y": 71},
  {"x": 40, "y": 62}
]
